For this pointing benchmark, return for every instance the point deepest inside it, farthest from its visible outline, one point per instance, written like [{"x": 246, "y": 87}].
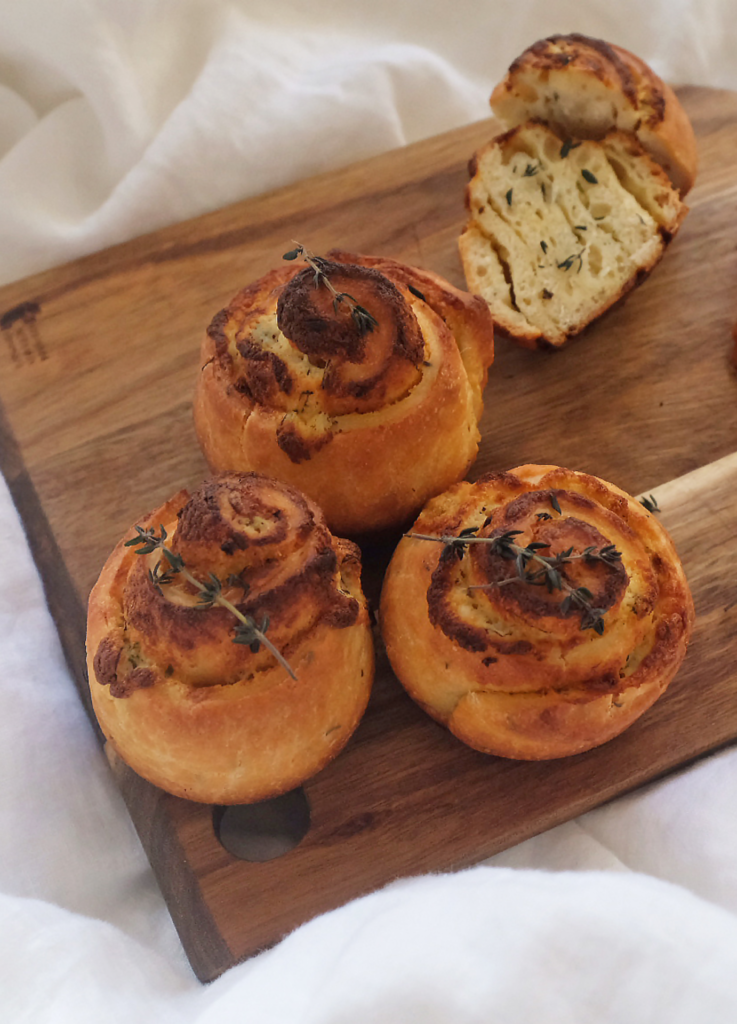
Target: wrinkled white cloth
[{"x": 120, "y": 116}]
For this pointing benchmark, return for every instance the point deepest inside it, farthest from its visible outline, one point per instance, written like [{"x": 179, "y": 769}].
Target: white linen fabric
[{"x": 120, "y": 116}]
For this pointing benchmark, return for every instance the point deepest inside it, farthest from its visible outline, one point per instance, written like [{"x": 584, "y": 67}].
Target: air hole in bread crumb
[
  {"x": 265, "y": 830},
  {"x": 595, "y": 260}
]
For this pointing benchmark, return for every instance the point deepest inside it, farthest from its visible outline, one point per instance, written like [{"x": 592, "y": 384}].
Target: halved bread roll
[
  {"x": 234, "y": 700},
  {"x": 560, "y": 231},
  {"x": 367, "y": 396},
  {"x": 574, "y": 205},
  {"x": 536, "y": 613}
]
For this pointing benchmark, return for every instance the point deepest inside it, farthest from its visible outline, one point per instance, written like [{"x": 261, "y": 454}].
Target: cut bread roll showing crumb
[
  {"x": 585, "y": 87},
  {"x": 559, "y": 231}
]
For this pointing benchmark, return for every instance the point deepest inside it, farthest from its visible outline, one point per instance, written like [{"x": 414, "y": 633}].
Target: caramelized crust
[
  {"x": 511, "y": 667},
  {"x": 584, "y": 87},
  {"x": 187, "y": 708},
  {"x": 369, "y": 423}
]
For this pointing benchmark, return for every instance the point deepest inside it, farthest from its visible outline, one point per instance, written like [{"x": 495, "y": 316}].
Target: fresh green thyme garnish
[
  {"x": 544, "y": 246},
  {"x": 531, "y": 170},
  {"x": 591, "y": 178},
  {"x": 508, "y": 197},
  {"x": 416, "y": 292},
  {"x": 247, "y": 631},
  {"x": 548, "y": 575},
  {"x": 567, "y": 146},
  {"x": 361, "y": 317},
  {"x": 555, "y": 503},
  {"x": 568, "y": 262},
  {"x": 650, "y": 503}
]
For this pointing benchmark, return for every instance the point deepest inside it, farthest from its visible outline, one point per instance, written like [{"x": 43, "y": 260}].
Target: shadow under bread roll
[
  {"x": 229, "y": 646},
  {"x": 357, "y": 379},
  {"x": 536, "y": 613}
]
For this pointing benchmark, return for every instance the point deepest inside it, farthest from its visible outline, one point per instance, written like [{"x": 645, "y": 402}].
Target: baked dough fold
[
  {"x": 189, "y": 709},
  {"x": 515, "y": 660}
]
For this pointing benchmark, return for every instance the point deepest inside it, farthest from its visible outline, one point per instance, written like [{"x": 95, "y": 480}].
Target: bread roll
[
  {"x": 368, "y": 421},
  {"x": 189, "y": 709},
  {"x": 552, "y": 639},
  {"x": 558, "y": 233},
  {"x": 583, "y": 88}
]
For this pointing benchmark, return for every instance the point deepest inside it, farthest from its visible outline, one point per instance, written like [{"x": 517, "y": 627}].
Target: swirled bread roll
[
  {"x": 369, "y": 420},
  {"x": 555, "y": 618},
  {"x": 584, "y": 88},
  {"x": 197, "y": 627}
]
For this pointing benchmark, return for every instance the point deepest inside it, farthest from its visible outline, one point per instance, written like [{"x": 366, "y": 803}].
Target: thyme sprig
[
  {"x": 171, "y": 565},
  {"x": 549, "y": 574},
  {"x": 361, "y": 317},
  {"x": 568, "y": 262},
  {"x": 651, "y": 503}
]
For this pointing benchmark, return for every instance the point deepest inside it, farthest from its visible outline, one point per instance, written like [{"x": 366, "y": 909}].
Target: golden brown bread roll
[
  {"x": 357, "y": 379},
  {"x": 553, "y": 616},
  {"x": 583, "y": 88},
  {"x": 229, "y": 648}
]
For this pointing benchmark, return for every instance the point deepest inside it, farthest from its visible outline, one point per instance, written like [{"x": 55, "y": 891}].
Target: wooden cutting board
[{"x": 98, "y": 361}]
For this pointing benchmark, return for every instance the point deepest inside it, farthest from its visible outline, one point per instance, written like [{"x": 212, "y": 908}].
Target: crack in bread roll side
[
  {"x": 369, "y": 423},
  {"x": 506, "y": 663},
  {"x": 196, "y": 713}
]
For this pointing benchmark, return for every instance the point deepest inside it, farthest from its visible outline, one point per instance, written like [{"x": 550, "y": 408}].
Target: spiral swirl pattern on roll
[
  {"x": 185, "y": 702},
  {"x": 553, "y": 614},
  {"x": 369, "y": 416}
]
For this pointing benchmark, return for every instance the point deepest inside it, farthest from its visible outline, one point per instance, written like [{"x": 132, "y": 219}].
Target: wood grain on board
[{"x": 98, "y": 360}]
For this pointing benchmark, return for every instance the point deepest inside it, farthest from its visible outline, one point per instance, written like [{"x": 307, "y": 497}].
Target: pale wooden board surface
[{"x": 96, "y": 384}]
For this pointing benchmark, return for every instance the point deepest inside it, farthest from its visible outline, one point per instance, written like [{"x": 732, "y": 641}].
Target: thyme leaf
[
  {"x": 568, "y": 262},
  {"x": 567, "y": 146},
  {"x": 651, "y": 503}
]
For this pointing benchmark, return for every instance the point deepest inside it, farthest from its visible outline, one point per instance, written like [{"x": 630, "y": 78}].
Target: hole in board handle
[{"x": 266, "y": 830}]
